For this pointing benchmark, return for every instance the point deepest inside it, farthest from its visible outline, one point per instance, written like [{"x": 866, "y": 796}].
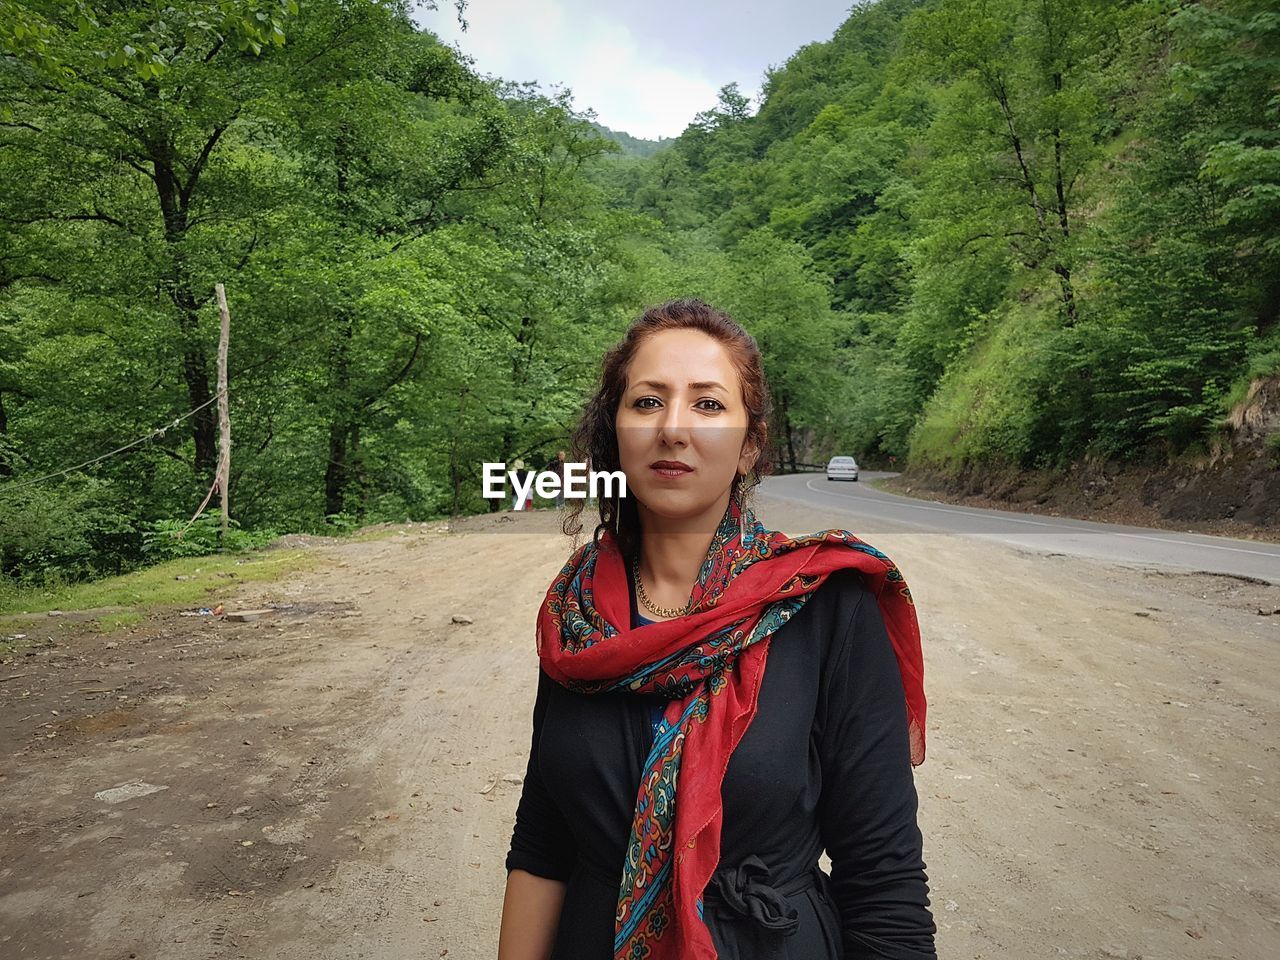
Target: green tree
[{"x": 1018, "y": 126}]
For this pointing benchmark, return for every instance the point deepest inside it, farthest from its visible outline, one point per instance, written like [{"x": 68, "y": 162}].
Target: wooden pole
[{"x": 224, "y": 419}]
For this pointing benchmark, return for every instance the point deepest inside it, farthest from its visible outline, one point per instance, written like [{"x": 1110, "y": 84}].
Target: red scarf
[{"x": 710, "y": 664}]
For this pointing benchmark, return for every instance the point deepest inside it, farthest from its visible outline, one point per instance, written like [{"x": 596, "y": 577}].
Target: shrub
[{"x": 167, "y": 539}]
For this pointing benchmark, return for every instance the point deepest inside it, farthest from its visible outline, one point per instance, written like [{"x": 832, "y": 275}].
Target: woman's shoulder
[
  {"x": 847, "y": 606},
  {"x": 824, "y": 619},
  {"x": 843, "y": 593}
]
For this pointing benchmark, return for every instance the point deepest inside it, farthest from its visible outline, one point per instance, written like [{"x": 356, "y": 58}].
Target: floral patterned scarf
[{"x": 709, "y": 663}]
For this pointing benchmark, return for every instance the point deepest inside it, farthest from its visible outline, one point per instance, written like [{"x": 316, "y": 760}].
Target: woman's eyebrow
[{"x": 693, "y": 384}]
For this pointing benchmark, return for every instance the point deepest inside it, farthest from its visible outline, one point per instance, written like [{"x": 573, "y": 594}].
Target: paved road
[{"x": 1144, "y": 546}]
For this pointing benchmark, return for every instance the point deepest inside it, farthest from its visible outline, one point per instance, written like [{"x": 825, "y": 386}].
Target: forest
[{"x": 966, "y": 233}]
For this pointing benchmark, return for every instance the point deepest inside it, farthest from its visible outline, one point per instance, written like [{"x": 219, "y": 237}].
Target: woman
[{"x": 679, "y": 794}]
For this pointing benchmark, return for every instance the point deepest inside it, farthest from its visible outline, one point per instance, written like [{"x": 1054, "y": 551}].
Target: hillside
[
  {"x": 1232, "y": 490},
  {"x": 632, "y": 146},
  {"x": 1033, "y": 253}
]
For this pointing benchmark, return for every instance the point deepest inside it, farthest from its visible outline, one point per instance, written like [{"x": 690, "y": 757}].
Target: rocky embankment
[{"x": 1233, "y": 490}]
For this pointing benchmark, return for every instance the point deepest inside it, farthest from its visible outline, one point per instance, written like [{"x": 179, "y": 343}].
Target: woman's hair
[{"x": 595, "y": 440}]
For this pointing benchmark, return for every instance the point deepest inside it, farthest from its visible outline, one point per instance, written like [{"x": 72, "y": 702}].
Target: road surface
[{"x": 874, "y": 510}]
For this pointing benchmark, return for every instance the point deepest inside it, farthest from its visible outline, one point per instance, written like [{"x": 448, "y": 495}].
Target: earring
[{"x": 742, "y": 508}]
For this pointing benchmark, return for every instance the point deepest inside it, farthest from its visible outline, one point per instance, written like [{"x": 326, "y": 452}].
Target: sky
[{"x": 645, "y": 68}]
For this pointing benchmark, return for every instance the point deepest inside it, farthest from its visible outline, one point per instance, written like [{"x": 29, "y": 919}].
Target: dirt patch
[
  {"x": 302, "y": 541},
  {"x": 1239, "y": 593},
  {"x": 112, "y": 721},
  {"x": 340, "y": 776}
]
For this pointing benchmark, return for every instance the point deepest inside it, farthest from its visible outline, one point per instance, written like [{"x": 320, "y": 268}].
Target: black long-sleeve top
[{"x": 825, "y": 764}]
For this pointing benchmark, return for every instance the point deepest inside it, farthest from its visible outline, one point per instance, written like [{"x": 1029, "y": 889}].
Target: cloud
[{"x": 596, "y": 57}]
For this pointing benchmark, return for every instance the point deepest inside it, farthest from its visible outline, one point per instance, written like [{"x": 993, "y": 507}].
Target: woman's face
[{"x": 683, "y": 404}]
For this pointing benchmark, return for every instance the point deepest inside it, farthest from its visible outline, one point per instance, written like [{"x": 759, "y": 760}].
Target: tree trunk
[
  {"x": 6, "y": 468},
  {"x": 356, "y": 471},
  {"x": 195, "y": 361},
  {"x": 788, "y": 433},
  {"x": 1062, "y": 270},
  {"x": 337, "y": 474}
]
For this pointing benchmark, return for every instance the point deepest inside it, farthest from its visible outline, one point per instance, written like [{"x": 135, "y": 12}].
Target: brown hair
[{"x": 595, "y": 440}]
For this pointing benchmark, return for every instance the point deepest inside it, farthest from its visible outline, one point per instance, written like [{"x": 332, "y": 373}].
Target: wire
[
  {"x": 158, "y": 432},
  {"x": 199, "y": 510}
]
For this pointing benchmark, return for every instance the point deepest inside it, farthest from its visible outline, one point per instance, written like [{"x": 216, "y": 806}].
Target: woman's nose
[{"x": 675, "y": 424}]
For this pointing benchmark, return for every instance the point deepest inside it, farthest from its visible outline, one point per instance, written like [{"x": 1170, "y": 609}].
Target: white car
[{"x": 842, "y": 468}]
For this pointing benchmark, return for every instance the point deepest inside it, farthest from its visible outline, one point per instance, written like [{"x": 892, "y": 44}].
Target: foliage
[
  {"x": 64, "y": 532},
  {"x": 410, "y": 254},
  {"x": 1049, "y": 229},
  {"x": 170, "y": 539},
  {"x": 143, "y": 38},
  {"x": 976, "y": 232}
]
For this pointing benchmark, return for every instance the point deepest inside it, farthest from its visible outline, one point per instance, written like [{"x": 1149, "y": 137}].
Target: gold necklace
[{"x": 668, "y": 613}]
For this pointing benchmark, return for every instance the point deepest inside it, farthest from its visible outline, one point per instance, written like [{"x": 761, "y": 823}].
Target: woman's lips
[{"x": 671, "y": 473}]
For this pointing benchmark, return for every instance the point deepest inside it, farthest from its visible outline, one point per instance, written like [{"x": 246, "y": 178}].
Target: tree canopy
[{"x": 963, "y": 231}]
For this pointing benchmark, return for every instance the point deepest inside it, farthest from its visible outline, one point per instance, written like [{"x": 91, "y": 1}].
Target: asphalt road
[{"x": 873, "y": 510}]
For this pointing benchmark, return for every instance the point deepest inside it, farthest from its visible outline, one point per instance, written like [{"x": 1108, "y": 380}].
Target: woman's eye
[{"x": 640, "y": 403}]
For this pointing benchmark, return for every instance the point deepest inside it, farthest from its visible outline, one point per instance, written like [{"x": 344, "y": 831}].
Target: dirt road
[{"x": 339, "y": 778}]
